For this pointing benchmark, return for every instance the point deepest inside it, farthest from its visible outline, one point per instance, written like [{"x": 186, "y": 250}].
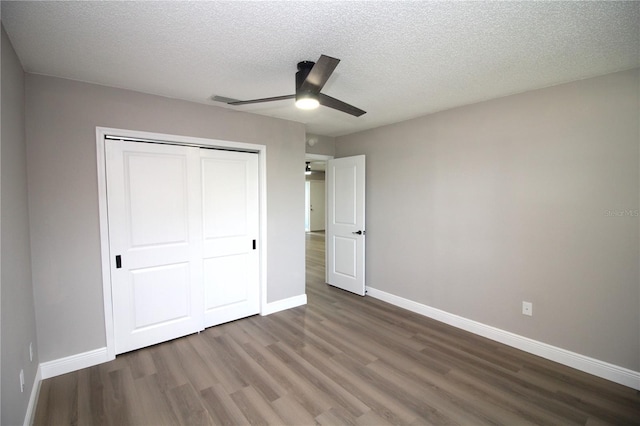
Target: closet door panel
[
  {"x": 154, "y": 233},
  {"x": 230, "y": 226}
]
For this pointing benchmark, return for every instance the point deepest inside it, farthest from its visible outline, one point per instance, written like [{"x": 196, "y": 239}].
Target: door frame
[{"x": 149, "y": 137}]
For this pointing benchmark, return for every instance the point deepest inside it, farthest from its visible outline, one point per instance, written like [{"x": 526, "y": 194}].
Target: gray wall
[
  {"x": 18, "y": 316},
  {"x": 317, "y": 175},
  {"x": 323, "y": 145},
  {"x": 61, "y": 149},
  {"x": 475, "y": 209}
]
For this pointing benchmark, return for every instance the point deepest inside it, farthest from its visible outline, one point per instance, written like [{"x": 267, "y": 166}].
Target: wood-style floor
[{"x": 342, "y": 359}]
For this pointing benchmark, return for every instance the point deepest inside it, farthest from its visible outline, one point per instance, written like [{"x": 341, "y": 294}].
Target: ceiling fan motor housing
[{"x": 304, "y": 68}]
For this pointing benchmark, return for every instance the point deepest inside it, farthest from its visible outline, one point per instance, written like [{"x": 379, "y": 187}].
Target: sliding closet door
[
  {"x": 229, "y": 233},
  {"x": 183, "y": 229},
  {"x": 154, "y": 207}
]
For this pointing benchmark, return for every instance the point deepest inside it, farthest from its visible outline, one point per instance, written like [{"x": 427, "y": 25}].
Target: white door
[
  {"x": 345, "y": 235},
  {"x": 230, "y": 232},
  {"x": 307, "y": 206},
  {"x": 155, "y": 245},
  {"x": 316, "y": 205}
]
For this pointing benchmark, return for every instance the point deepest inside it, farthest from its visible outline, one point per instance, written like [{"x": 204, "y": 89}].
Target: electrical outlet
[
  {"x": 21, "y": 380},
  {"x": 527, "y": 308}
]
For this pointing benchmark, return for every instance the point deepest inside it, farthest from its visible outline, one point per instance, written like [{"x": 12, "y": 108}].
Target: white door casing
[
  {"x": 155, "y": 244},
  {"x": 230, "y": 232},
  {"x": 345, "y": 235}
]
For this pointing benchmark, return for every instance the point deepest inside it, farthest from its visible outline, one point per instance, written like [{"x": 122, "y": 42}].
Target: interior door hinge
[
  {"x": 254, "y": 244},
  {"x": 118, "y": 262}
]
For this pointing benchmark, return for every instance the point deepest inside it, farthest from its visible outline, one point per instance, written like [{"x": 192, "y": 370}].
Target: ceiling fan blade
[
  {"x": 334, "y": 103},
  {"x": 223, "y": 99},
  {"x": 319, "y": 74},
  {"x": 257, "y": 101},
  {"x": 252, "y": 101}
]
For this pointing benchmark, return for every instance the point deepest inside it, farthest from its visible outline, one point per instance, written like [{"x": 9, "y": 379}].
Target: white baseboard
[
  {"x": 281, "y": 305},
  {"x": 98, "y": 356},
  {"x": 74, "y": 362},
  {"x": 603, "y": 369},
  {"x": 33, "y": 399}
]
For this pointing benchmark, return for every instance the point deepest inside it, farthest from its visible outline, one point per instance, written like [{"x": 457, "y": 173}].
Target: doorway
[
  {"x": 343, "y": 181},
  {"x": 315, "y": 217}
]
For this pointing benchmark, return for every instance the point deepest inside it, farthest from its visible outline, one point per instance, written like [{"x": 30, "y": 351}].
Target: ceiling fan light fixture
[{"x": 307, "y": 101}]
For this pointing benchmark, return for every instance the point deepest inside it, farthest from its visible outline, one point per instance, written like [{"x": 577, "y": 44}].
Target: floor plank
[{"x": 341, "y": 359}]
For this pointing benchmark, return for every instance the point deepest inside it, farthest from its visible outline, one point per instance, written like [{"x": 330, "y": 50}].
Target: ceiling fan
[{"x": 310, "y": 79}]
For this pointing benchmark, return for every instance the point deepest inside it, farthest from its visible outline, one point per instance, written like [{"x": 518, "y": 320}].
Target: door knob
[{"x": 358, "y": 232}]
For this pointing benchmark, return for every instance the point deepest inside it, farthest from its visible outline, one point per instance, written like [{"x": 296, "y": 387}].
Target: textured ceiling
[{"x": 399, "y": 59}]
